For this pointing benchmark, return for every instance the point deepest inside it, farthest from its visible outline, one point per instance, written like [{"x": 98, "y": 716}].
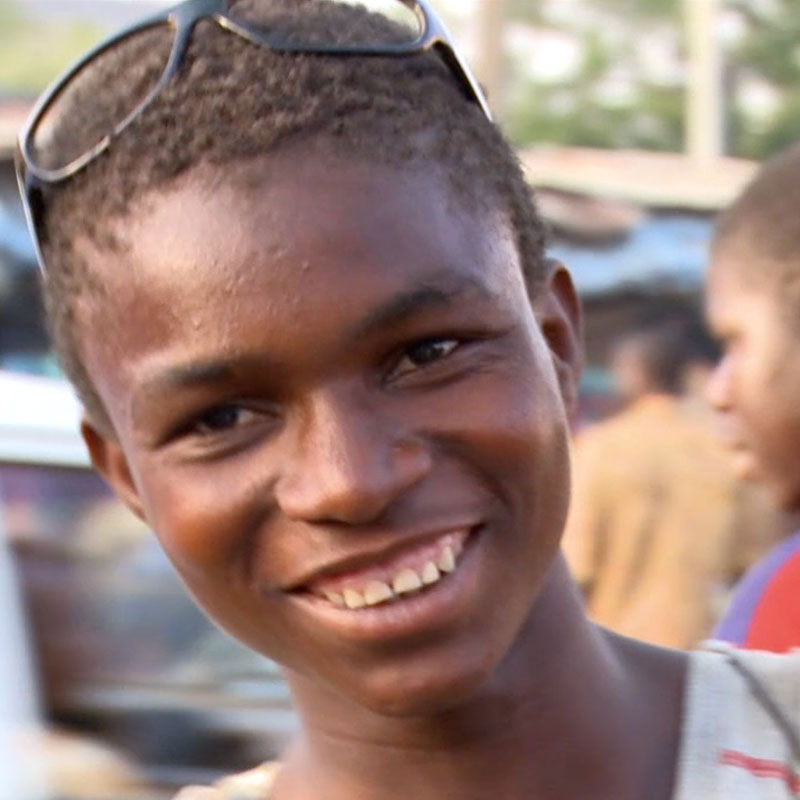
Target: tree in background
[
  {"x": 32, "y": 53},
  {"x": 614, "y": 98},
  {"x": 625, "y": 89},
  {"x": 766, "y": 58}
]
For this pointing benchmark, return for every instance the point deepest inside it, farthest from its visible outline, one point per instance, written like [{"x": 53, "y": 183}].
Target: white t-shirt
[
  {"x": 741, "y": 726},
  {"x": 740, "y": 738}
]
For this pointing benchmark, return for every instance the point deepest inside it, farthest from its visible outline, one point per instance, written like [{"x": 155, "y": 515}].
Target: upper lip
[{"x": 372, "y": 557}]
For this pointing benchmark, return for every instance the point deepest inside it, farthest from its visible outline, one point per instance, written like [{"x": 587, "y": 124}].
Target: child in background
[{"x": 754, "y": 309}]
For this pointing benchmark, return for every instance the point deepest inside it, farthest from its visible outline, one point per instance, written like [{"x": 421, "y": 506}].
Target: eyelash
[
  {"x": 449, "y": 344},
  {"x": 205, "y": 430},
  {"x": 199, "y": 426}
]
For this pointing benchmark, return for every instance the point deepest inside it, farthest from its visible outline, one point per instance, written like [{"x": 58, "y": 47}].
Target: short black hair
[
  {"x": 663, "y": 350},
  {"x": 763, "y": 224},
  {"x": 232, "y": 101}
]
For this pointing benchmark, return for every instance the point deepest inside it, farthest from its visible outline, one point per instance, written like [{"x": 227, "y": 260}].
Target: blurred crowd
[{"x": 660, "y": 527}]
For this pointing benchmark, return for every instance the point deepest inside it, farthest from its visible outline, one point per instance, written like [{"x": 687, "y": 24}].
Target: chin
[
  {"x": 745, "y": 467},
  {"x": 398, "y": 692}
]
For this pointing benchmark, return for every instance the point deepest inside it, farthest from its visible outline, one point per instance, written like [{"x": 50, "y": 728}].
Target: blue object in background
[
  {"x": 14, "y": 237},
  {"x": 665, "y": 246}
]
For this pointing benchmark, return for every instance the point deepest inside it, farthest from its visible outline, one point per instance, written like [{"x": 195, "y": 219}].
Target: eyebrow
[
  {"x": 432, "y": 293},
  {"x": 192, "y": 374}
]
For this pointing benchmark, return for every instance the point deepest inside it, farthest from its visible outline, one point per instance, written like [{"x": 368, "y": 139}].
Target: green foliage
[
  {"x": 770, "y": 53},
  {"x": 653, "y": 120},
  {"x": 529, "y": 11},
  {"x": 33, "y": 53},
  {"x": 575, "y": 111},
  {"x": 642, "y": 11}
]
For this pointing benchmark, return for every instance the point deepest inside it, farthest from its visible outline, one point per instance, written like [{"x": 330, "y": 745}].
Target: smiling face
[
  {"x": 755, "y": 387},
  {"x": 337, "y": 408}
]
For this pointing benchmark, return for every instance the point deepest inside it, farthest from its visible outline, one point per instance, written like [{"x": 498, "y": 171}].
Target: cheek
[
  {"x": 203, "y": 516},
  {"x": 514, "y": 434}
]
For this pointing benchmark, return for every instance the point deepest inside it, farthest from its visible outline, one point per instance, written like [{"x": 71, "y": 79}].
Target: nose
[
  {"x": 718, "y": 387},
  {"x": 349, "y": 464}
]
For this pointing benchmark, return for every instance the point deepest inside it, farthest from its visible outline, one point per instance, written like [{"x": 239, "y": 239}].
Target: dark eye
[
  {"x": 424, "y": 353},
  {"x": 222, "y": 419}
]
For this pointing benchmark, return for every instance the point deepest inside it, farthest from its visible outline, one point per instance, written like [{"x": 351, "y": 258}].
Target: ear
[
  {"x": 109, "y": 460},
  {"x": 558, "y": 311}
]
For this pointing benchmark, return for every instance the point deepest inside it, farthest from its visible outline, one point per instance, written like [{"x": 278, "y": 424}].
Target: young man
[
  {"x": 304, "y": 296},
  {"x": 754, "y": 309}
]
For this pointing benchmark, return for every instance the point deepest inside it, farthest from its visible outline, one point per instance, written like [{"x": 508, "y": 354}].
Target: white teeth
[
  {"x": 430, "y": 573},
  {"x": 354, "y": 599},
  {"x": 406, "y": 581},
  {"x": 336, "y": 598},
  {"x": 377, "y": 592},
  {"x": 447, "y": 559}
]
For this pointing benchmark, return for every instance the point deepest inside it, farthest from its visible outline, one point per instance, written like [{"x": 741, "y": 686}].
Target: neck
[{"x": 561, "y": 691}]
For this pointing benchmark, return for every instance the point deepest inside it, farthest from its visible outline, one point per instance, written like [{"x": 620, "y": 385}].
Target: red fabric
[
  {"x": 775, "y": 624},
  {"x": 761, "y": 767}
]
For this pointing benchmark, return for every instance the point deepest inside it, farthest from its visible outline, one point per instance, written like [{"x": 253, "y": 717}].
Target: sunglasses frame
[{"x": 183, "y": 18}]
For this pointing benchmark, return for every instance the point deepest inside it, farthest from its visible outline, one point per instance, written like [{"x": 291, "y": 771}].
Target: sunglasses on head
[{"x": 169, "y": 34}]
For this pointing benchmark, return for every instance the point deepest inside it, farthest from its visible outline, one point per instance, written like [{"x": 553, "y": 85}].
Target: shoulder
[
  {"x": 741, "y": 727},
  {"x": 751, "y": 676},
  {"x": 765, "y": 611}
]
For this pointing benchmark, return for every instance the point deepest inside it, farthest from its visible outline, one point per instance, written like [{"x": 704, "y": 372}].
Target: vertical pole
[
  {"x": 491, "y": 17},
  {"x": 704, "y": 104}
]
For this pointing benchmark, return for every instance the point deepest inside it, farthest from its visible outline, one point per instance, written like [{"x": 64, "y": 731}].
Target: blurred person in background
[
  {"x": 659, "y": 527},
  {"x": 753, "y": 306},
  {"x": 324, "y": 354}
]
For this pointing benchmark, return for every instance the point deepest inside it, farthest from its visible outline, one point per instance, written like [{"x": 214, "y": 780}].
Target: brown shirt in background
[{"x": 659, "y": 528}]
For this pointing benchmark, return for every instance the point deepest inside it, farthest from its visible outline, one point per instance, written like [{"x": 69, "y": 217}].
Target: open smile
[
  {"x": 421, "y": 587},
  {"x": 408, "y": 573}
]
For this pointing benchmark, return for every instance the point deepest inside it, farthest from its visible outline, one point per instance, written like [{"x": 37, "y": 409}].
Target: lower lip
[{"x": 413, "y": 615}]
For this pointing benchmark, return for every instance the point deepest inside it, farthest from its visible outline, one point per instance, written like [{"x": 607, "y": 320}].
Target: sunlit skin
[
  {"x": 325, "y": 366},
  {"x": 755, "y": 387}
]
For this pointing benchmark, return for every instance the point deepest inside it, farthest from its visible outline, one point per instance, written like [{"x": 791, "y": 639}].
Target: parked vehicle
[{"x": 121, "y": 650}]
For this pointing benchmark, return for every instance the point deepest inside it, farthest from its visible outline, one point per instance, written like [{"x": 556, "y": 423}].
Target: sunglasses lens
[
  {"x": 100, "y": 96},
  {"x": 400, "y": 24}
]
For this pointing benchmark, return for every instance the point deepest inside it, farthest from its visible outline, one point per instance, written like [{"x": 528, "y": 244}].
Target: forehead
[
  {"x": 250, "y": 222},
  {"x": 747, "y": 294},
  {"x": 737, "y": 271},
  {"x": 302, "y": 248}
]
